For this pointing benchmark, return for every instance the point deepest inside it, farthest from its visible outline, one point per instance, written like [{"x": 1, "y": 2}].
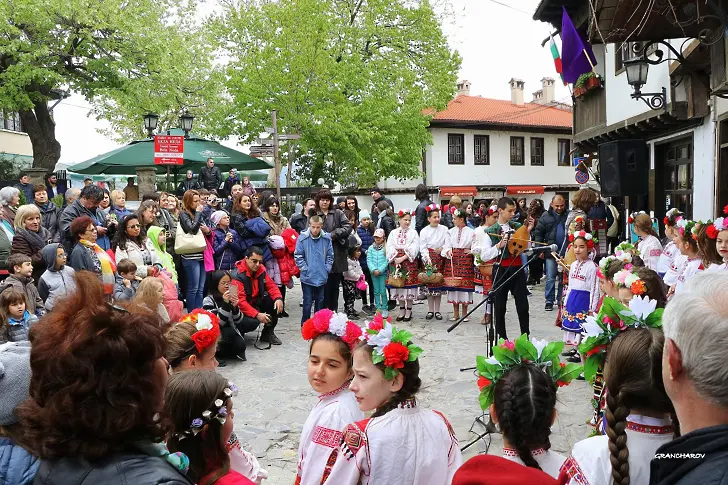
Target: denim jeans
[
  {"x": 553, "y": 280},
  {"x": 196, "y": 276},
  {"x": 311, "y": 295}
]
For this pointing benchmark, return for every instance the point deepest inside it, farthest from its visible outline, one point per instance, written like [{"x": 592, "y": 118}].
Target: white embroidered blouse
[
  {"x": 650, "y": 251},
  {"x": 549, "y": 461},
  {"x": 407, "y": 240},
  {"x": 666, "y": 264},
  {"x": 483, "y": 245},
  {"x": 690, "y": 268},
  {"x": 583, "y": 276},
  {"x": 460, "y": 238},
  {"x": 432, "y": 238}
]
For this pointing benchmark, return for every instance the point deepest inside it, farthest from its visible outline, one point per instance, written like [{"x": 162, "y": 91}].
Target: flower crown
[
  {"x": 208, "y": 328},
  {"x": 613, "y": 318},
  {"x": 433, "y": 207},
  {"x": 459, "y": 213},
  {"x": 634, "y": 215},
  {"x": 508, "y": 354},
  {"x": 672, "y": 212},
  {"x": 492, "y": 210},
  {"x": 627, "y": 279},
  {"x": 216, "y": 411},
  {"x": 326, "y": 321},
  {"x": 627, "y": 247},
  {"x": 404, "y": 212},
  {"x": 391, "y": 346},
  {"x": 720, "y": 224},
  {"x": 590, "y": 240},
  {"x": 686, "y": 226}
]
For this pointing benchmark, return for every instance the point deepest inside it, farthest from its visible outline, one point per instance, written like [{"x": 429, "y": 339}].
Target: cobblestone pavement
[{"x": 275, "y": 397}]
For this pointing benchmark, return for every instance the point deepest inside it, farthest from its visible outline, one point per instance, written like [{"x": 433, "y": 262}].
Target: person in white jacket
[{"x": 130, "y": 243}]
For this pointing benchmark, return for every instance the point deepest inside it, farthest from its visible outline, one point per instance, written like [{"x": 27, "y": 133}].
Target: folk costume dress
[
  {"x": 484, "y": 248},
  {"x": 431, "y": 239},
  {"x": 400, "y": 243},
  {"x": 322, "y": 434},
  {"x": 690, "y": 268},
  {"x": 407, "y": 446},
  {"x": 666, "y": 265},
  {"x": 650, "y": 250},
  {"x": 589, "y": 462},
  {"x": 460, "y": 264},
  {"x": 549, "y": 461},
  {"x": 581, "y": 298},
  {"x": 717, "y": 267}
]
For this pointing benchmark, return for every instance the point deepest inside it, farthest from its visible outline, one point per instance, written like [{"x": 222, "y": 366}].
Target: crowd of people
[{"x": 113, "y": 322}]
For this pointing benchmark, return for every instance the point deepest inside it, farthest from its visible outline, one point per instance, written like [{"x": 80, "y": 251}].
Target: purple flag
[{"x": 573, "y": 47}]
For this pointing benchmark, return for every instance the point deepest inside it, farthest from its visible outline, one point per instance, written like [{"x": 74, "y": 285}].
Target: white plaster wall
[
  {"x": 16, "y": 143},
  {"x": 704, "y": 165},
  {"x": 500, "y": 171}
]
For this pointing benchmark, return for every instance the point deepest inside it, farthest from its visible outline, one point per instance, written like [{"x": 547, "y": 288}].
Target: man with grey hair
[
  {"x": 72, "y": 195},
  {"x": 695, "y": 374}
]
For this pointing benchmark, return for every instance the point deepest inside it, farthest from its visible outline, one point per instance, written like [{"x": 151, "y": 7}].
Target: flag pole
[{"x": 589, "y": 60}]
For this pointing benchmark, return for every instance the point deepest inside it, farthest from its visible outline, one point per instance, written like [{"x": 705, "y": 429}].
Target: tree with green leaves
[
  {"x": 126, "y": 57},
  {"x": 356, "y": 78}
]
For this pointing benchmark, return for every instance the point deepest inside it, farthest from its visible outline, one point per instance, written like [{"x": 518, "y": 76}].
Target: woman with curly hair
[{"x": 96, "y": 409}]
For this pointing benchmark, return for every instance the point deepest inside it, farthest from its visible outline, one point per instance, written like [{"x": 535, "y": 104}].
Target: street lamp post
[
  {"x": 150, "y": 123},
  {"x": 637, "y": 70},
  {"x": 186, "y": 120}
]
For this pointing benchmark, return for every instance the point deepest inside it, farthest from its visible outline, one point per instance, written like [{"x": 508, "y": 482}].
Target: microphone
[{"x": 542, "y": 249}]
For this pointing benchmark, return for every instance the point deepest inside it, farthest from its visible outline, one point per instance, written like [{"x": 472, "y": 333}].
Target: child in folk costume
[
  {"x": 458, "y": 249},
  {"x": 582, "y": 296},
  {"x": 484, "y": 252},
  {"x": 401, "y": 443},
  {"x": 688, "y": 245},
  {"x": 670, "y": 260},
  {"x": 649, "y": 244},
  {"x": 719, "y": 233},
  {"x": 403, "y": 246},
  {"x": 377, "y": 263},
  {"x": 706, "y": 235},
  {"x": 329, "y": 373},
  {"x": 518, "y": 389},
  {"x": 432, "y": 241},
  {"x": 638, "y": 411}
]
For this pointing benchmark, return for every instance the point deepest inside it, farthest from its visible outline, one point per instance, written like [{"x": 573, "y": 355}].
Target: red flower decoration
[
  {"x": 562, "y": 383},
  {"x": 483, "y": 382},
  {"x": 321, "y": 320},
  {"x": 562, "y": 365},
  {"x": 596, "y": 350},
  {"x": 712, "y": 232},
  {"x": 308, "y": 331},
  {"x": 377, "y": 323},
  {"x": 353, "y": 332},
  {"x": 205, "y": 338},
  {"x": 666, "y": 220},
  {"x": 395, "y": 355},
  {"x": 508, "y": 345},
  {"x": 725, "y": 210}
]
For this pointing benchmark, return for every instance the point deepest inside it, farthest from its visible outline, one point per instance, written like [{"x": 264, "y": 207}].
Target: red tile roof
[{"x": 473, "y": 109}]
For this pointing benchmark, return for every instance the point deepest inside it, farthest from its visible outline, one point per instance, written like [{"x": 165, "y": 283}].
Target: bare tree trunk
[{"x": 41, "y": 129}]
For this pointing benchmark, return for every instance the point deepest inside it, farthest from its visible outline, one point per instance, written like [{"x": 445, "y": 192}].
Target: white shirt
[
  {"x": 669, "y": 253},
  {"x": 458, "y": 237},
  {"x": 322, "y": 432},
  {"x": 406, "y": 446},
  {"x": 676, "y": 267},
  {"x": 690, "y": 268},
  {"x": 650, "y": 251},
  {"x": 589, "y": 462},
  {"x": 483, "y": 245},
  {"x": 717, "y": 267},
  {"x": 137, "y": 254},
  {"x": 407, "y": 240},
  {"x": 583, "y": 276},
  {"x": 432, "y": 238},
  {"x": 549, "y": 461}
]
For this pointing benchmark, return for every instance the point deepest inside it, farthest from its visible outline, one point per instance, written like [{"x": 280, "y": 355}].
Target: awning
[
  {"x": 466, "y": 190},
  {"x": 524, "y": 189}
]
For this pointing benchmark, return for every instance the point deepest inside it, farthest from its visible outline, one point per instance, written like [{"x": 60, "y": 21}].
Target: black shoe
[
  {"x": 438, "y": 316},
  {"x": 576, "y": 358},
  {"x": 300, "y": 304},
  {"x": 221, "y": 362},
  {"x": 429, "y": 316},
  {"x": 271, "y": 338},
  {"x": 399, "y": 318},
  {"x": 353, "y": 316},
  {"x": 569, "y": 353},
  {"x": 528, "y": 292},
  {"x": 241, "y": 356},
  {"x": 549, "y": 307},
  {"x": 283, "y": 314},
  {"x": 531, "y": 282},
  {"x": 409, "y": 318},
  {"x": 580, "y": 377}
]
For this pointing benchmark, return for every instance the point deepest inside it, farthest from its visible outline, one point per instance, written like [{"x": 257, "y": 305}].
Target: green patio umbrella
[{"x": 140, "y": 153}]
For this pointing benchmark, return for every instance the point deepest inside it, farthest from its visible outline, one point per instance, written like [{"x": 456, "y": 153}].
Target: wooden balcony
[{"x": 590, "y": 114}]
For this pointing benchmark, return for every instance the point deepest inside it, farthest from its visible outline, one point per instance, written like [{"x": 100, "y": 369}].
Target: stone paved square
[{"x": 275, "y": 397}]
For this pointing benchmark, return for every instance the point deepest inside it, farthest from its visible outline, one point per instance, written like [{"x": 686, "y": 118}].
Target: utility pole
[{"x": 276, "y": 158}]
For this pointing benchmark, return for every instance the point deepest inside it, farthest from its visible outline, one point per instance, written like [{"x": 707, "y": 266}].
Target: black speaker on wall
[{"x": 624, "y": 168}]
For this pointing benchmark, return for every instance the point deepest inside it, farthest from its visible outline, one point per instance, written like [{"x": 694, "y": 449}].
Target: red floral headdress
[
  {"x": 590, "y": 240},
  {"x": 719, "y": 225},
  {"x": 404, "y": 212},
  {"x": 391, "y": 346},
  {"x": 326, "y": 321},
  {"x": 674, "y": 212},
  {"x": 208, "y": 328},
  {"x": 432, "y": 207},
  {"x": 492, "y": 210},
  {"x": 634, "y": 215}
]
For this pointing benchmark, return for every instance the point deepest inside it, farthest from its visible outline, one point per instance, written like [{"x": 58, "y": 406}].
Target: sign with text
[{"x": 169, "y": 150}]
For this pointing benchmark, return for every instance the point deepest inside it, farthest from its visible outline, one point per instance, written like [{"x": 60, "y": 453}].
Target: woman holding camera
[{"x": 225, "y": 242}]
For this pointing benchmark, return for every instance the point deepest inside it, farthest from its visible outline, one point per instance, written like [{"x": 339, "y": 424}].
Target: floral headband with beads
[
  {"x": 432, "y": 207},
  {"x": 509, "y": 354},
  {"x": 207, "y": 325},
  {"x": 634, "y": 215},
  {"x": 627, "y": 279},
  {"x": 404, "y": 212},
  {"x": 590, "y": 240},
  {"x": 393, "y": 347},
  {"x": 672, "y": 212},
  {"x": 613, "y": 318},
  {"x": 217, "y": 411},
  {"x": 326, "y": 321}
]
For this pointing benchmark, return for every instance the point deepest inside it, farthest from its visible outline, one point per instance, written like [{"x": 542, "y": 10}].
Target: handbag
[{"x": 189, "y": 243}]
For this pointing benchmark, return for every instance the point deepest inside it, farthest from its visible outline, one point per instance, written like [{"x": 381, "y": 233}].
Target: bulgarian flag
[{"x": 557, "y": 59}]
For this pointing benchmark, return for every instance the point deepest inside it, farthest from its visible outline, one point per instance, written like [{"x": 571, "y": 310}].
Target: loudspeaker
[{"x": 624, "y": 168}]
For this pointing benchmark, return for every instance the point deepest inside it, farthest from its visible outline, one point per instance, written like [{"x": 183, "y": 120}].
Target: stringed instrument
[{"x": 518, "y": 242}]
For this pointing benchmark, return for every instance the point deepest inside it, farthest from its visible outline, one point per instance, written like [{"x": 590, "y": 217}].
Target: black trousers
[
  {"x": 370, "y": 283},
  {"x": 231, "y": 343},
  {"x": 263, "y": 305},
  {"x": 331, "y": 291},
  {"x": 517, "y": 287}
]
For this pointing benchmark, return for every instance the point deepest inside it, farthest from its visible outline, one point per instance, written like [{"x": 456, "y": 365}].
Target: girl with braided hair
[
  {"x": 401, "y": 443},
  {"x": 525, "y": 408},
  {"x": 638, "y": 415}
]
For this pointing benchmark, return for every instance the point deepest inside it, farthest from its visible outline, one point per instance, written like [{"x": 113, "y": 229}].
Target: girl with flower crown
[
  {"x": 582, "y": 296},
  {"x": 687, "y": 243},
  {"x": 719, "y": 233},
  {"x": 332, "y": 338},
  {"x": 458, "y": 249},
  {"x": 637, "y": 415},
  {"x": 401, "y": 443},
  {"x": 518, "y": 388},
  {"x": 432, "y": 242},
  {"x": 671, "y": 259},
  {"x": 403, "y": 246},
  {"x": 484, "y": 252},
  {"x": 201, "y": 407},
  {"x": 648, "y": 244}
]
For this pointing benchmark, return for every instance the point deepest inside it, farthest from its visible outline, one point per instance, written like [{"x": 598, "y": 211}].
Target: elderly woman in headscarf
[{"x": 9, "y": 201}]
